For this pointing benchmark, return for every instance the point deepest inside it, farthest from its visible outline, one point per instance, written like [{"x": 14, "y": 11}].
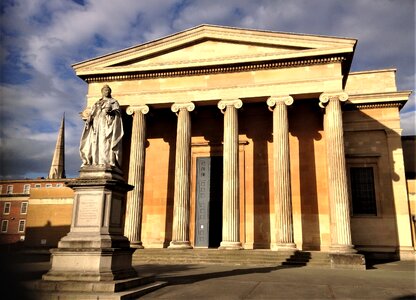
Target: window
[
  {"x": 4, "y": 225},
  {"x": 6, "y": 209},
  {"x": 26, "y": 189},
  {"x": 22, "y": 224},
  {"x": 23, "y": 208},
  {"x": 363, "y": 192},
  {"x": 37, "y": 185},
  {"x": 9, "y": 189},
  {"x": 1, "y": 189},
  {"x": 48, "y": 185},
  {"x": 59, "y": 185}
]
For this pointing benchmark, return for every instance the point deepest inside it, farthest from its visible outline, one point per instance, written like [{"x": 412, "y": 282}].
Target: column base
[
  {"x": 343, "y": 249},
  {"x": 136, "y": 245},
  {"x": 230, "y": 246},
  {"x": 284, "y": 247},
  {"x": 180, "y": 245},
  {"x": 406, "y": 253}
]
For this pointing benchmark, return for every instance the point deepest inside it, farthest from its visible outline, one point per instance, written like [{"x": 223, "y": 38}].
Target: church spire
[{"x": 58, "y": 162}]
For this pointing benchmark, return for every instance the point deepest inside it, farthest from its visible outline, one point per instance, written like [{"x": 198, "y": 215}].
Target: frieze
[{"x": 215, "y": 70}]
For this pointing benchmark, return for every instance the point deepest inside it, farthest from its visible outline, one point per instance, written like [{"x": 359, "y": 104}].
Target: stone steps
[{"x": 238, "y": 257}]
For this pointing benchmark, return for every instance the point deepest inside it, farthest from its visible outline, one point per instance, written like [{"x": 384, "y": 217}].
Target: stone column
[
  {"x": 133, "y": 223},
  {"x": 281, "y": 163},
  {"x": 231, "y": 186},
  {"x": 337, "y": 175},
  {"x": 180, "y": 232}
]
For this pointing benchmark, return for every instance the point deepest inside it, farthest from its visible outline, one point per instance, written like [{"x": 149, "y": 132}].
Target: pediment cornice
[{"x": 218, "y": 46}]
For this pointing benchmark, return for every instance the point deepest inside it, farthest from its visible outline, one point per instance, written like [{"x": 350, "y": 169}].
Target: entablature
[{"x": 377, "y": 100}]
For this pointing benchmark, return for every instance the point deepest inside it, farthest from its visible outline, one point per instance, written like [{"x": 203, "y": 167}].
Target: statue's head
[{"x": 106, "y": 90}]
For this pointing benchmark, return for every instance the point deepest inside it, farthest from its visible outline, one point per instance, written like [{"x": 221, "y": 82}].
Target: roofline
[
  {"x": 373, "y": 71},
  {"x": 201, "y": 26}
]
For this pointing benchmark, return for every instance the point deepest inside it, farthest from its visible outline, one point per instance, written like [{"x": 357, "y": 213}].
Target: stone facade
[{"x": 286, "y": 175}]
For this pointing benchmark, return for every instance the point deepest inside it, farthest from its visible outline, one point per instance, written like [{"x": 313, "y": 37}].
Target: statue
[{"x": 103, "y": 131}]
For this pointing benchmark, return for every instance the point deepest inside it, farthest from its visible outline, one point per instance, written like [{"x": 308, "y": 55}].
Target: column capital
[
  {"x": 132, "y": 109},
  {"x": 273, "y": 100},
  {"x": 237, "y": 103},
  {"x": 189, "y": 106},
  {"x": 325, "y": 97}
]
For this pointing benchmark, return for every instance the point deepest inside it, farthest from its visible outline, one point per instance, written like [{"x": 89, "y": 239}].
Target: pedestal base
[
  {"x": 347, "y": 261},
  {"x": 180, "y": 245},
  {"x": 288, "y": 247},
  {"x": 136, "y": 245},
  {"x": 90, "y": 264},
  {"x": 230, "y": 246},
  {"x": 342, "y": 249},
  {"x": 117, "y": 289}
]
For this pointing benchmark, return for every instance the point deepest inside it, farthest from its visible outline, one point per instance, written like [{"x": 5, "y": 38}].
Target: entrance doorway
[{"x": 208, "y": 212}]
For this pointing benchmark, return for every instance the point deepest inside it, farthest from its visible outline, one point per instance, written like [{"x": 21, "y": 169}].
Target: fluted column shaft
[
  {"x": 133, "y": 223},
  {"x": 281, "y": 163},
  {"x": 231, "y": 186},
  {"x": 337, "y": 176},
  {"x": 180, "y": 232}
]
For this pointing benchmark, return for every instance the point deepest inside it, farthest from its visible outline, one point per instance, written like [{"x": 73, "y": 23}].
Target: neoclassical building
[{"x": 248, "y": 139}]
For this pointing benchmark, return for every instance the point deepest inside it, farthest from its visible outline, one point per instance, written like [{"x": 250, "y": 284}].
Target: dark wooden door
[{"x": 208, "y": 223}]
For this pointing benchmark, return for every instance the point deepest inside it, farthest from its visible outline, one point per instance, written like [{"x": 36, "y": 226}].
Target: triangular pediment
[{"x": 208, "y": 45}]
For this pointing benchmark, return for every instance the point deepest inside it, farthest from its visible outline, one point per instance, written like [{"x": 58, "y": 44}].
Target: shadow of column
[
  {"x": 161, "y": 123},
  {"x": 256, "y": 122},
  {"x": 307, "y": 132}
]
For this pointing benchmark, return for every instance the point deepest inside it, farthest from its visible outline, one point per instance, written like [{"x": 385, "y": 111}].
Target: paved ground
[
  {"x": 394, "y": 280},
  {"x": 386, "y": 281}
]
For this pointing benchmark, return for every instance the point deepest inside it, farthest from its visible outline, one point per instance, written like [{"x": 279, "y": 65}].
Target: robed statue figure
[{"x": 103, "y": 131}]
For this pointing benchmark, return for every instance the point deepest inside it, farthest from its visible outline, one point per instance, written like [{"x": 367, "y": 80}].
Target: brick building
[{"x": 14, "y": 205}]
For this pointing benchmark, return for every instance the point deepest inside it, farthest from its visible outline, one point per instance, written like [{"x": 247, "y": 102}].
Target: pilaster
[
  {"x": 231, "y": 186},
  {"x": 180, "y": 232},
  {"x": 281, "y": 163},
  {"x": 133, "y": 222}
]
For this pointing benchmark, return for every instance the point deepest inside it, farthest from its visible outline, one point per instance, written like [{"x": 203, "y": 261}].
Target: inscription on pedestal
[{"x": 88, "y": 210}]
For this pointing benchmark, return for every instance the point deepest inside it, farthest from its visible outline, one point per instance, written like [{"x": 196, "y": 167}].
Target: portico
[{"x": 271, "y": 106}]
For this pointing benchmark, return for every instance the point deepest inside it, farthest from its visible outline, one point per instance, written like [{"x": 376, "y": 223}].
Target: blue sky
[{"x": 41, "y": 39}]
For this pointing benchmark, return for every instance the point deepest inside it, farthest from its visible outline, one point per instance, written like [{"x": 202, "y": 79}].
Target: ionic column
[
  {"x": 180, "y": 232},
  {"x": 231, "y": 186},
  {"x": 281, "y": 163},
  {"x": 133, "y": 223},
  {"x": 337, "y": 175}
]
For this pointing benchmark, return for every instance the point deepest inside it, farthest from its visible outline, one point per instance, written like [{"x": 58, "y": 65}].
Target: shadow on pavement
[
  {"x": 169, "y": 273},
  {"x": 11, "y": 279}
]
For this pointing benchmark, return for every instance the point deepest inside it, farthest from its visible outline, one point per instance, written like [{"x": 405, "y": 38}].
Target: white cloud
[{"x": 408, "y": 123}]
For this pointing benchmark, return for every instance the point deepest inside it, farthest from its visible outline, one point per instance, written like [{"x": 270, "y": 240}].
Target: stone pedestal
[{"x": 95, "y": 256}]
